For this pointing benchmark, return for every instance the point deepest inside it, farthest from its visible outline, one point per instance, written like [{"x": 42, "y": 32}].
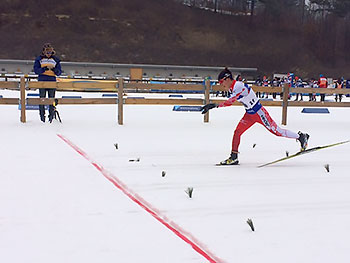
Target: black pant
[
  {"x": 338, "y": 97},
  {"x": 323, "y": 97},
  {"x": 42, "y": 94}
]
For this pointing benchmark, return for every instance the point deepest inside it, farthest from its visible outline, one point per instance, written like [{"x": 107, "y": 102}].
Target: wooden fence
[{"x": 120, "y": 87}]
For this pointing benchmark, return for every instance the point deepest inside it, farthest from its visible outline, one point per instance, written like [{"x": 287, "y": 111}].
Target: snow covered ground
[{"x": 55, "y": 206}]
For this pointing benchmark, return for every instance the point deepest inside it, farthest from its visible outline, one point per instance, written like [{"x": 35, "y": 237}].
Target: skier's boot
[
  {"x": 232, "y": 160},
  {"x": 303, "y": 139}
]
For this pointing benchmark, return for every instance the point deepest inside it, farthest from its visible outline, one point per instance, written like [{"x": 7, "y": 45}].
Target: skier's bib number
[{"x": 249, "y": 101}]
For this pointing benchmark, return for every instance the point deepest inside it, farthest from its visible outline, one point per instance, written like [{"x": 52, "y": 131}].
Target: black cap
[{"x": 225, "y": 74}]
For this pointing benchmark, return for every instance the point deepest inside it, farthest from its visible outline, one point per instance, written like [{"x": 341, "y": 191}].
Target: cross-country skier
[{"x": 255, "y": 112}]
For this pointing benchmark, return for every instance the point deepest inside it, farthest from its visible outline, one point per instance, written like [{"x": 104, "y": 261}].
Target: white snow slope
[{"x": 55, "y": 206}]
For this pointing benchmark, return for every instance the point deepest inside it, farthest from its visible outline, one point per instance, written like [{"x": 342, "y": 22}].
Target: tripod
[{"x": 56, "y": 115}]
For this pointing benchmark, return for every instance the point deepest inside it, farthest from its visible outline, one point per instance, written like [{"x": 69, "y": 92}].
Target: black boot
[
  {"x": 303, "y": 139},
  {"x": 51, "y": 117},
  {"x": 232, "y": 160}
]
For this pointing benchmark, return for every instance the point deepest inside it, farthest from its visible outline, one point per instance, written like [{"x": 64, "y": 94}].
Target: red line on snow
[{"x": 184, "y": 235}]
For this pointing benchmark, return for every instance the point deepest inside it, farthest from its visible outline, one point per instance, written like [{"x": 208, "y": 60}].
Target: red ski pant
[{"x": 264, "y": 118}]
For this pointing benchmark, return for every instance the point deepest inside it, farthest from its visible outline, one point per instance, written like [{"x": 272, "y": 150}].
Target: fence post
[
  {"x": 120, "y": 100},
  {"x": 285, "y": 90},
  {"x": 207, "y": 98},
  {"x": 23, "y": 99}
]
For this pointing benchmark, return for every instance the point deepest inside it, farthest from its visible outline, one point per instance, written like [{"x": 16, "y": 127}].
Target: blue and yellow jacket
[{"x": 41, "y": 65}]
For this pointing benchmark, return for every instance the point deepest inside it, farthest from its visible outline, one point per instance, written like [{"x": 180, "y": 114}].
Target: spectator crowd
[{"x": 294, "y": 81}]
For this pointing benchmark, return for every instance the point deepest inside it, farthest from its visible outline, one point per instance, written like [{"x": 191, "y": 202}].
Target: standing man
[
  {"x": 255, "y": 113},
  {"x": 339, "y": 84},
  {"x": 299, "y": 84},
  {"x": 47, "y": 66},
  {"x": 322, "y": 83}
]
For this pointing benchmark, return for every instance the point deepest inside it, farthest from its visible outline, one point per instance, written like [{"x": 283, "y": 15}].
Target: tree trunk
[
  {"x": 302, "y": 11},
  {"x": 252, "y": 6}
]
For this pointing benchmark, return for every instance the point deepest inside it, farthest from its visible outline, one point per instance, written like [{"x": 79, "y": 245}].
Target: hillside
[{"x": 155, "y": 32}]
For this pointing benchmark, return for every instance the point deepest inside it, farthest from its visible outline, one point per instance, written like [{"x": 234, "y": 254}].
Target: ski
[
  {"x": 220, "y": 164},
  {"x": 304, "y": 152}
]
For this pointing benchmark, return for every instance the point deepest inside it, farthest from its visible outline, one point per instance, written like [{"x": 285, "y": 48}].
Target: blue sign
[{"x": 187, "y": 108}]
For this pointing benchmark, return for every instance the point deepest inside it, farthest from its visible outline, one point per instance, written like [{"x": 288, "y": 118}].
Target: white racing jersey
[{"x": 241, "y": 92}]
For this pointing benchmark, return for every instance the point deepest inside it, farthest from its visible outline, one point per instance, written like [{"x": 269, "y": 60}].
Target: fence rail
[
  {"x": 13, "y": 85},
  {"x": 121, "y": 86}
]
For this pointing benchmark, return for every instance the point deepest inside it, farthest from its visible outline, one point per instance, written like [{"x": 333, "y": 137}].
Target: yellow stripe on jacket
[{"x": 50, "y": 63}]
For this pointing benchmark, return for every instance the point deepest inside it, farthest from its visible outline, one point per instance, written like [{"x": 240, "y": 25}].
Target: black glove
[
  {"x": 208, "y": 107},
  {"x": 45, "y": 68},
  {"x": 54, "y": 70}
]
